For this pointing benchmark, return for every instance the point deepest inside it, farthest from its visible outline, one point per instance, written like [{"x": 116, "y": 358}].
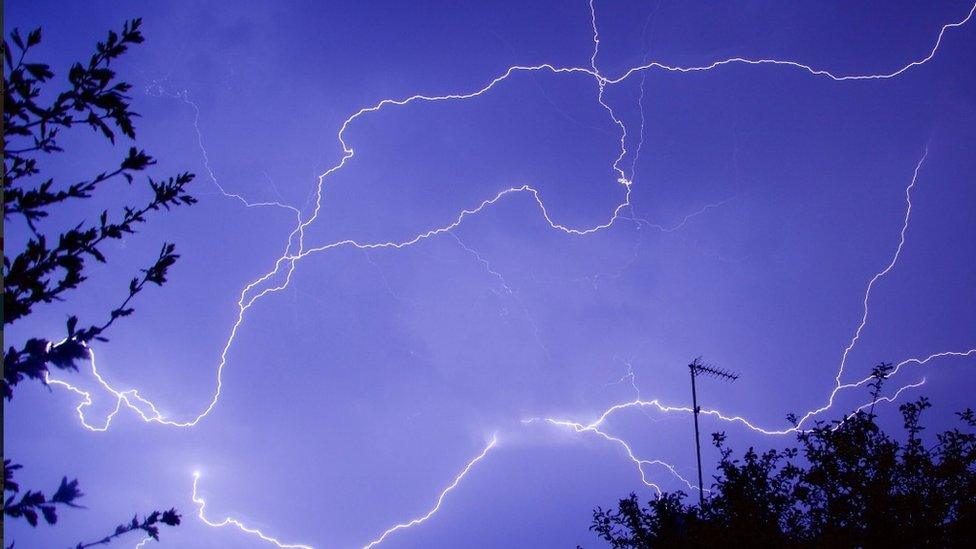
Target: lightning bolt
[
  {"x": 440, "y": 498},
  {"x": 286, "y": 263},
  {"x": 867, "y": 292},
  {"x": 594, "y": 427},
  {"x": 295, "y": 249},
  {"x": 657, "y": 405},
  {"x": 201, "y": 503},
  {"x": 640, "y": 463},
  {"x": 793, "y": 64}
]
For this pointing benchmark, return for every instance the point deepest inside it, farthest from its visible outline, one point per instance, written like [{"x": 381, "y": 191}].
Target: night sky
[{"x": 423, "y": 273}]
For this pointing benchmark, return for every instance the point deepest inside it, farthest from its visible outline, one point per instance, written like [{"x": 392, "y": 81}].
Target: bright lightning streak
[
  {"x": 666, "y": 409},
  {"x": 440, "y": 498},
  {"x": 867, "y": 292},
  {"x": 199, "y": 501},
  {"x": 813, "y": 71},
  {"x": 288, "y": 260},
  {"x": 402, "y": 526},
  {"x": 594, "y": 427},
  {"x": 917, "y": 361},
  {"x": 296, "y": 250},
  {"x": 120, "y": 396},
  {"x": 892, "y": 398},
  {"x": 640, "y": 463}
]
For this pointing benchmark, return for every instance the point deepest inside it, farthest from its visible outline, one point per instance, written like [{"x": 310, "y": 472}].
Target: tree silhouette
[
  {"x": 49, "y": 266},
  {"x": 848, "y": 484}
]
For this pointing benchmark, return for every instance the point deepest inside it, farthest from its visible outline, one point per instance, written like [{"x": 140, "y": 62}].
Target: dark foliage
[
  {"x": 149, "y": 525},
  {"x": 848, "y": 484},
  {"x": 33, "y": 504},
  {"x": 49, "y": 265}
]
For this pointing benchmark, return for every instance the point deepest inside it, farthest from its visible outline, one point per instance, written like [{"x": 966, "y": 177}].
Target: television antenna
[{"x": 697, "y": 368}]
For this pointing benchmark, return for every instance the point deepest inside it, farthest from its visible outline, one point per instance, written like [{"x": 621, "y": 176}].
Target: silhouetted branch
[
  {"x": 33, "y": 504},
  {"x": 149, "y": 525},
  {"x": 49, "y": 265},
  {"x": 31, "y": 361}
]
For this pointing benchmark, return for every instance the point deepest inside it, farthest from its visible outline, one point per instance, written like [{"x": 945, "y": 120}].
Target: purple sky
[{"x": 771, "y": 209}]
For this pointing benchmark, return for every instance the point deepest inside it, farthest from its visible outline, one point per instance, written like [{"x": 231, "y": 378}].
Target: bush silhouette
[
  {"x": 846, "y": 484},
  {"x": 49, "y": 266}
]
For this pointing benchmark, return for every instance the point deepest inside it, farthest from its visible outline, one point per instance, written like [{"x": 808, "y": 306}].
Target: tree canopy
[
  {"x": 52, "y": 264},
  {"x": 846, "y": 484}
]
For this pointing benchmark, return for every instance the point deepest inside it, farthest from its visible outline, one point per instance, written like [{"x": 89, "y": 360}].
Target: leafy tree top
[
  {"x": 52, "y": 264},
  {"x": 846, "y": 484}
]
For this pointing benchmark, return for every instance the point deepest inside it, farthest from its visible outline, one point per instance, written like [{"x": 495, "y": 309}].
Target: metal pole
[
  {"x": 694, "y": 399},
  {"x": 697, "y": 367}
]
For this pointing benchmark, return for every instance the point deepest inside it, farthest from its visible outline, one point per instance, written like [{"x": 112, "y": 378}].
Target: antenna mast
[{"x": 697, "y": 367}]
